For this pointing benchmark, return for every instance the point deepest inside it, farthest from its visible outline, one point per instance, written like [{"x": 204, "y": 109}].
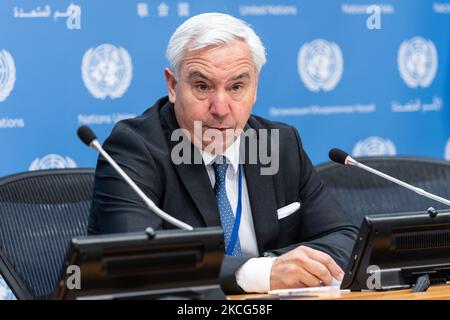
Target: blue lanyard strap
[{"x": 237, "y": 221}]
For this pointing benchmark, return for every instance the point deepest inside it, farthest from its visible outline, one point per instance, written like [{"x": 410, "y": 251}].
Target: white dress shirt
[{"x": 254, "y": 275}]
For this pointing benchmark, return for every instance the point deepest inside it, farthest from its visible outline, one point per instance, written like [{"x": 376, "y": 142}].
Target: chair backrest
[
  {"x": 40, "y": 212},
  {"x": 361, "y": 193}
]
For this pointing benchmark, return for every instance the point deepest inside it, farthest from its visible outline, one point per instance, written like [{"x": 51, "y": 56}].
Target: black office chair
[
  {"x": 361, "y": 193},
  {"x": 40, "y": 212}
]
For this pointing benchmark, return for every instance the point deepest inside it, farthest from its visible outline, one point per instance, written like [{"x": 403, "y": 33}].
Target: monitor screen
[
  {"x": 170, "y": 263},
  {"x": 393, "y": 250}
]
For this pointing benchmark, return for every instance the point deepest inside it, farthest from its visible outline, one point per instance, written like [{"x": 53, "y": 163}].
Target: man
[{"x": 212, "y": 86}]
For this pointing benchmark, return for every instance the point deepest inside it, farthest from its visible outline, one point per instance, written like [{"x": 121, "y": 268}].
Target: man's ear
[{"x": 171, "y": 84}]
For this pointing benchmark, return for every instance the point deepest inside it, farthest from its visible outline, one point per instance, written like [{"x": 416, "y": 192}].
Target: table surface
[{"x": 438, "y": 292}]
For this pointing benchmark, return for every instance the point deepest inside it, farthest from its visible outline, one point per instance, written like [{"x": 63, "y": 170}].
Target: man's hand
[{"x": 303, "y": 267}]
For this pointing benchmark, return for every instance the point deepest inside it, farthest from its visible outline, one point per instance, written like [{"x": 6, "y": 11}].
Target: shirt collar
[{"x": 232, "y": 154}]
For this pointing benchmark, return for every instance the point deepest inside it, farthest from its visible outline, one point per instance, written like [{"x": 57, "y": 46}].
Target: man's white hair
[{"x": 209, "y": 29}]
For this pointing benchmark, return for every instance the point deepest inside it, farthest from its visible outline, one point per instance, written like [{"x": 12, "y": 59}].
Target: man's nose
[{"x": 219, "y": 104}]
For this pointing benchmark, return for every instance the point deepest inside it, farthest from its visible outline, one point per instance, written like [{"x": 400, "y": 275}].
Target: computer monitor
[
  {"x": 167, "y": 264},
  {"x": 393, "y": 250}
]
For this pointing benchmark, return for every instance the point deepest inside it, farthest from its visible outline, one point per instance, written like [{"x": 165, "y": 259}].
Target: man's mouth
[{"x": 220, "y": 128}]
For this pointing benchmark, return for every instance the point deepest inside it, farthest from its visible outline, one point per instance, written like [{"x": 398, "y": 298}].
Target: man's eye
[
  {"x": 202, "y": 87},
  {"x": 237, "y": 87}
]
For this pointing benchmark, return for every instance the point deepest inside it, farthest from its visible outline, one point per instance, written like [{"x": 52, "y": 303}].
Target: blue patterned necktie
[{"x": 226, "y": 212}]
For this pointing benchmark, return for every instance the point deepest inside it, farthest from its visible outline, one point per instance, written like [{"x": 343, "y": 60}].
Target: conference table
[{"x": 438, "y": 292}]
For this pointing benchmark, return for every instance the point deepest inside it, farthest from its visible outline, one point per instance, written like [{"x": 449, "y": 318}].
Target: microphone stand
[{"x": 350, "y": 161}]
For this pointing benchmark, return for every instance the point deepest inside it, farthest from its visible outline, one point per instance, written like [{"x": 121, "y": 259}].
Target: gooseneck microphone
[
  {"x": 90, "y": 139},
  {"x": 343, "y": 157}
]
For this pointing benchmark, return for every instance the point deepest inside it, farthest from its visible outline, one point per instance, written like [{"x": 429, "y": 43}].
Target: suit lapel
[
  {"x": 193, "y": 176},
  {"x": 197, "y": 183},
  {"x": 261, "y": 192}
]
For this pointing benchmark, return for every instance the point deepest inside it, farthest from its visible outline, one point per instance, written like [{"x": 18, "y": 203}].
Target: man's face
[{"x": 217, "y": 86}]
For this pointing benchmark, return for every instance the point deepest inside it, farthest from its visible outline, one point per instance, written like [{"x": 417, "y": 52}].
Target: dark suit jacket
[{"x": 142, "y": 147}]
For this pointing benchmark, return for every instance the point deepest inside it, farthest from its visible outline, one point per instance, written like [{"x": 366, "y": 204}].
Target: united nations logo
[
  {"x": 107, "y": 71},
  {"x": 374, "y": 146},
  {"x": 52, "y": 161},
  {"x": 417, "y": 62},
  {"x": 7, "y": 74},
  {"x": 447, "y": 151},
  {"x": 320, "y": 65}
]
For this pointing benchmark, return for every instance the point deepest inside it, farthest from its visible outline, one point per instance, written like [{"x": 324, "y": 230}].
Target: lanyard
[{"x": 237, "y": 221}]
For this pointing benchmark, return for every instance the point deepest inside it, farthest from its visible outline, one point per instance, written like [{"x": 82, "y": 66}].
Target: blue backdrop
[{"x": 371, "y": 82}]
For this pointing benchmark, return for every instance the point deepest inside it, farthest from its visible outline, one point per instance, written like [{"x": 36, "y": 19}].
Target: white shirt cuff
[{"x": 254, "y": 275}]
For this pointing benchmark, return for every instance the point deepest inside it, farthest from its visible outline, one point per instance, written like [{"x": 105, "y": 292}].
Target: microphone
[
  {"x": 342, "y": 157},
  {"x": 90, "y": 139},
  {"x": 339, "y": 156}
]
